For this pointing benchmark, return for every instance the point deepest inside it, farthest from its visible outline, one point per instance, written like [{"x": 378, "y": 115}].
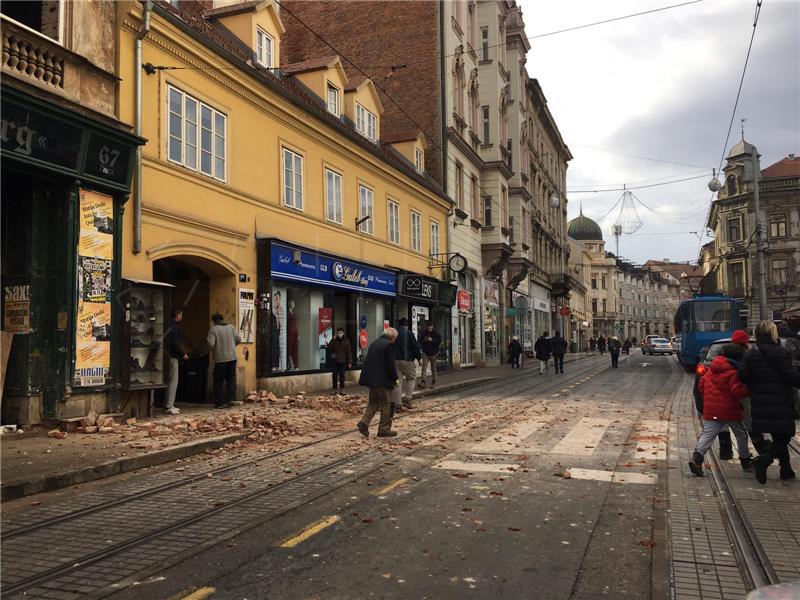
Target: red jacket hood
[{"x": 720, "y": 364}]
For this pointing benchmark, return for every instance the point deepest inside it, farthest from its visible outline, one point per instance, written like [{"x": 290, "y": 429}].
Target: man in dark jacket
[
  {"x": 380, "y": 376},
  {"x": 559, "y": 347},
  {"x": 614, "y": 347},
  {"x": 601, "y": 344},
  {"x": 429, "y": 340},
  {"x": 406, "y": 351},
  {"x": 176, "y": 356},
  {"x": 543, "y": 351},
  {"x": 341, "y": 353},
  {"x": 768, "y": 370}
]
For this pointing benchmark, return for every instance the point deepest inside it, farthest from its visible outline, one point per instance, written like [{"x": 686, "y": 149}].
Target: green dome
[{"x": 583, "y": 228}]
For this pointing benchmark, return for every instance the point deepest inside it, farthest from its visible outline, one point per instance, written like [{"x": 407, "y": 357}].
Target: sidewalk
[{"x": 32, "y": 462}]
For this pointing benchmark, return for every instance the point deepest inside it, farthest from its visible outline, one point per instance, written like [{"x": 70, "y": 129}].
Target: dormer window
[
  {"x": 366, "y": 123},
  {"x": 264, "y": 48},
  {"x": 333, "y": 99},
  {"x": 419, "y": 159}
]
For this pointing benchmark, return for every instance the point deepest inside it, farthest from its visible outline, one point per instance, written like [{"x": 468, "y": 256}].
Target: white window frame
[
  {"x": 193, "y": 152},
  {"x": 366, "y": 206},
  {"x": 393, "y": 221},
  {"x": 416, "y": 231},
  {"x": 434, "y": 238},
  {"x": 419, "y": 160},
  {"x": 264, "y": 57},
  {"x": 333, "y": 196},
  {"x": 292, "y": 191},
  {"x": 366, "y": 123},
  {"x": 333, "y": 107}
]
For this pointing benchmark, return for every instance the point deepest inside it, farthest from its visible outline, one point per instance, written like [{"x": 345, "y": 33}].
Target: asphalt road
[{"x": 552, "y": 493}]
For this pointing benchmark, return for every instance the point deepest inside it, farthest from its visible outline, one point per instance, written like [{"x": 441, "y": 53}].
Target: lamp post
[
  {"x": 555, "y": 202},
  {"x": 761, "y": 281}
]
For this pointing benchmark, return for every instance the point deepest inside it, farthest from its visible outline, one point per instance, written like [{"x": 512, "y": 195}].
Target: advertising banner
[
  {"x": 247, "y": 309},
  {"x": 325, "y": 331},
  {"x": 491, "y": 293},
  {"x": 17, "y": 308}
]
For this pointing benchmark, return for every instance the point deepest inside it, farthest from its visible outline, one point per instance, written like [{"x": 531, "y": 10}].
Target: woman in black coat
[{"x": 768, "y": 370}]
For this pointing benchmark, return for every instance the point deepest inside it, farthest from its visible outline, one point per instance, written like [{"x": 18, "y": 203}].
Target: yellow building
[{"x": 267, "y": 196}]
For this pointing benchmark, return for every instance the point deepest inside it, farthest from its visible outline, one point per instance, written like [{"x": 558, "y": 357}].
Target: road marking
[
  {"x": 309, "y": 531},
  {"x": 588, "y": 432},
  {"x": 612, "y": 476},
  {"x": 200, "y": 593},
  {"x": 457, "y": 465},
  {"x": 651, "y": 440},
  {"x": 385, "y": 490},
  {"x": 507, "y": 440},
  {"x": 646, "y": 364}
]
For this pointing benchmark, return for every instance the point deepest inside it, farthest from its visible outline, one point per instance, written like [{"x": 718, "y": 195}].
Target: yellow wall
[{"x": 187, "y": 214}]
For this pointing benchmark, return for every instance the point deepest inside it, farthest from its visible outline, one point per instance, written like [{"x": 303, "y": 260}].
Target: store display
[{"x": 146, "y": 310}]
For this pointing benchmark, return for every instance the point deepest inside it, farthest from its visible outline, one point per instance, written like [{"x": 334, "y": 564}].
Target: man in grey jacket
[{"x": 223, "y": 339}]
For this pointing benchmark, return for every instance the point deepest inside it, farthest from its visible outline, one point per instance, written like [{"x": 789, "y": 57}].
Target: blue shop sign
[{"x": 291, "y": 264}]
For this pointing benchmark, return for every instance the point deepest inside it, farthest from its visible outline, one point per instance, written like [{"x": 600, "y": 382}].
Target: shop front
[
  {"x": 491, "y": 322},
  {"x": 522, "y": 325},
  {"x": 303, "y": 296},
  {"x": 65, "y": 178},
  {"x": 422, "y": 299},
  {"x": 541, "y": 316}
]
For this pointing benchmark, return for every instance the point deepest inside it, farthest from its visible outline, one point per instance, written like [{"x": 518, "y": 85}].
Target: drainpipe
[{"x": 137, "y": 197}]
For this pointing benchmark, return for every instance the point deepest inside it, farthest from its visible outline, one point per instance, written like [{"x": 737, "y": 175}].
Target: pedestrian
[
  {"x": 514, "y": 352},
  {"x": 429, "y": 341},
  {"x": 222, "y": 340},
  {"x": 626, "y": 346},
  {"x": 601, "y": 344},
  {"x": 613, "y": 348},
  {"x": 592, "y": 344},
  {"x": 176, "y": 356},
  {"x": 341, "y": 353},
  {"x": 407, "y": 352},
  {"x": 767, "y": 369},
  {"x": 634, "y": 341},
  {"x": 543, "y": 351},
  {"x": 558, "y": 346},
  {"x": 379, "y": 374},
  {"x": 722, "y": 392}
]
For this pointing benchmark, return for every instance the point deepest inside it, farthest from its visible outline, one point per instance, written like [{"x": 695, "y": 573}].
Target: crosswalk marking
[
  {"x": 458, "y": 465},
  {"x": 509, "y": 439},
  {"x": 612, "y": 476},
  {"x": 583, "y": 438},
  {"x": 651, "y": 440}
]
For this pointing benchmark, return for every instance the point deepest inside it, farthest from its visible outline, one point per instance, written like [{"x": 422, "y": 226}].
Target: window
[
  {"x": 333, "y": 99},
  {"x": 292, "y": 179},
  {"x": 484, "y": 43},
  {"x": 471, "y": 24},
  {"x": 416, "y": 231},
  {"x": 474, "y": 197},
  {"x": 459, "y": 186},
  {"x": 594, "y": 305},
  {"x": 734, "y": 229},
  {"x": 394, "y": 222},
  {"x": 366, "y": 123},
  {"x": 485, "y": 111},
  {"x": 777, "y": 226},
  {"x": 419, "y": 160},
  {"x": 731, "y": 181},
  {"x": 736, "y": 278},
  {"x": 780, "y": 269},
  {"x": 39, "y": 16},
  {"x": 487, "y": 211},
  {"x": 365, "y": 208},
  {"x": 264, "y": 45},
  {"x": 185, "y": 128},
  {"x": 333, "y": 196},
  {"x": 434, "y": 238},
  {"x": 504, "y": 205},
  {"x": 594, "y": 282},
  {"x": 712, "y": 316},
  {"x": 605, "y": 305}
]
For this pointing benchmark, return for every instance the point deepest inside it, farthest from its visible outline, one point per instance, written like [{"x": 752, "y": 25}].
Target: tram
[{"x": 703, "y": 320}]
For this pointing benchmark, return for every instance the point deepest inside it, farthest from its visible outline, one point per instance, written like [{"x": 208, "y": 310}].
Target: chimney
[
  {"x": 791, "y": 157},
  {"x": 665, "y": 260}
]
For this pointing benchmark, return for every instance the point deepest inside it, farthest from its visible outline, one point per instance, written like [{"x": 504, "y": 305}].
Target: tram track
[{"x": 478, "y": 399}]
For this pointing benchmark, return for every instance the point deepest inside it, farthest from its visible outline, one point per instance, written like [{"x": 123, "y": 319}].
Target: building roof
[
  {"x": 315, "y": 64},
  {"x": 408, "y": 135},
  {"x": 740, "y": 149},
  {"x": 786, "y": 167},
  {"x": 583, "y": 228}
]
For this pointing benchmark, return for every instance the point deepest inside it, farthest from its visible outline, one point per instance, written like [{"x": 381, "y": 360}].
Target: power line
[
  {"x": 629, "y": 183},
  {"x": 658, "y": 160},
  {"x": 640, "y": 187}
]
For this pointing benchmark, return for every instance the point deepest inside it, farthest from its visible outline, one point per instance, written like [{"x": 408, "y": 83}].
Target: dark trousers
[
  {"x": 224, "y": 372},
  {"x": 514, "y": 361},
  {"x": 558, "y": 359},
  {"x": 338, "y": 375},
  {"x": 614, "y": 360},
  {"x": 778, "y": 448}
]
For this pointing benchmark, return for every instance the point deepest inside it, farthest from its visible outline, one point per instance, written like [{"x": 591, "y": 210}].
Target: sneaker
[
  {"x": 787, "y": 472},
  {"x": 173, "y": 411},
  {"x": 696, "y": 464},
  {"x": 387, "y": 434},
  {"x": 760, "y": 463},
  {"x": 363, "y": 429}
]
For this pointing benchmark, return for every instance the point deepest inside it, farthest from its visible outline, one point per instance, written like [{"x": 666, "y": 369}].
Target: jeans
[
  {"x": 224, "y": 372},
  {"x": 711, "y": 429},
  {"x": 172, "y": 382},
  {"x": 558, "y": 360},
  {"x": 338, "y": 374},
  {"x": 543, "y": 366},
  {"x": 379, "y": 400},
  {"x": 428, "y": 360}
]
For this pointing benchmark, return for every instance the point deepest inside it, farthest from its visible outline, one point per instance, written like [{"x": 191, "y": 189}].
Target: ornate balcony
[{"x": 562, "y": 284}]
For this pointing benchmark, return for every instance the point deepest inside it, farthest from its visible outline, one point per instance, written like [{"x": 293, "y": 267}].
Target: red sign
[
  {"x": 362, "y": 338},
  {"x": 325, "y": 319},
  {"x": 464, "y": 300},
  {"x": 564, "y": 311}
]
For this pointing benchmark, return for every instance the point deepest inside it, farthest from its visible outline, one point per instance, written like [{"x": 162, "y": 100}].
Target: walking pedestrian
[
  {"x": 722, "y": 392},
  {"x": 601, "y": 344},
  {"x": 177, "y": 355},
  {"x": 592, "y": 343},
  {"x": 379, "y": 374},
  {"x": 626, "y": 346},
  {"x": 429, "y": 341},
  {"x": 341, "y": 353},
  {"x": 613, "y": 348},
  {"x": 514, "y": 352},
  {"x": 767, "y": 369},
  {"x": 558, "y": 346},
  {"x": 407, "y": 352},
  {"x": 543, "y": 351},
  {"x": 222, "y": 339}
]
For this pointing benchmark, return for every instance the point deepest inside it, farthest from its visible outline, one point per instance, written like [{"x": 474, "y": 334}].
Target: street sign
[{"x": 564, "y": 311}]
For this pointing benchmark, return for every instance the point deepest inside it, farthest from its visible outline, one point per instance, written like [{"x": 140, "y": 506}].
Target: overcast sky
[{"x": 663, "y": 86}]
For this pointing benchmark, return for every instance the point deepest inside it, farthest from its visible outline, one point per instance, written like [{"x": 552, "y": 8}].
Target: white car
[{"x": 658, "y": 346}]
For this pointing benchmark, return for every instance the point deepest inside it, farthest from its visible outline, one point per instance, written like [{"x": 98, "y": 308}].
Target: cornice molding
[
  {"x": 193, "y": 221},
  {"x": 458, "y": 141}
]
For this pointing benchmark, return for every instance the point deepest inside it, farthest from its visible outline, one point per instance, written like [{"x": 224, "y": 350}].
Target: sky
[{"x": 663, "y": 86}]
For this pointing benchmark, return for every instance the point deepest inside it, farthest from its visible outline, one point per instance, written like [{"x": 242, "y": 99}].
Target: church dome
[
  {"x": 583, "y": 228},
  {"x": 741, "y": 149}
]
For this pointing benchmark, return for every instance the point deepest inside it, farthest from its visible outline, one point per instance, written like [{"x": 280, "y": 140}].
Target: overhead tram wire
[
  {"x": 640, "y": 187},
  {"x": 628, "y": 184},
  {"x": 658, "y": 160}
]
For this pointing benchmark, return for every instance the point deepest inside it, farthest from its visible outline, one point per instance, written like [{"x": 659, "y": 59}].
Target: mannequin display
[
  {"x": 292, "y": 335},
  {"x": 275, "y": 340}
]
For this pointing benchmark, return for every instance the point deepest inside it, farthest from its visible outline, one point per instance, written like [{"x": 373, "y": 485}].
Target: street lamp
[{"x": 555, "y": 202}]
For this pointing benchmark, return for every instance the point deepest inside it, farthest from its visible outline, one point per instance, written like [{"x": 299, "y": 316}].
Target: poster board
[{"x": 246, "y": 315}]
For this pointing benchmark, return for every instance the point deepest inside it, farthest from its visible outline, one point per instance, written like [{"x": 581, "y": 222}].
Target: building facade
[{"x": 648, "y": 301}]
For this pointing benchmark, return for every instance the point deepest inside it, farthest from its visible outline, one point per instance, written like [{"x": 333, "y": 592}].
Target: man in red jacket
[{"x": 721, "y": 391}]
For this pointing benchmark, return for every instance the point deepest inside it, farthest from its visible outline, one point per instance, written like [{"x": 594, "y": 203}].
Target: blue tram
[{"x": 703, "y": 320}]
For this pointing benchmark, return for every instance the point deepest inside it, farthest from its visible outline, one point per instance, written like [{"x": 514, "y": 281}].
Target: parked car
[
  {"x": 656, "y": 345},
  {"x": 646, "y": 341}
]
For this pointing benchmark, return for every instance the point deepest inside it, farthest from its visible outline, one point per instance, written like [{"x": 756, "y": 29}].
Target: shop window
[
  {"x": 292, "y": 179},
  {"x": 333, "y": 196},
  {"x": 296, "y": 340},
  {"x": 416, "y": 231},
  {"x": 365, "y": 209},
  {"x": 197, "y": 134},
  {"x": 264, "y": 46},
  {"x": 394, "y": 221}
]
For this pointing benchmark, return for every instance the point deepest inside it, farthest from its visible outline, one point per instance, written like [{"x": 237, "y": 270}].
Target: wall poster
[
  {"x": 247, "y": 309},
  {"x": 17, "y": 308},
  {"x": 94, "y": 268}
]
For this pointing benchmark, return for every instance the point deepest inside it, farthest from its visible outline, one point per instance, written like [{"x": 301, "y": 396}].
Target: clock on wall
[{"x": 457, "y": 263}]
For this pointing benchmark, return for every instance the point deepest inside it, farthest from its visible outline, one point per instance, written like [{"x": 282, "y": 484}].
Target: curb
[
  {"x": 22, "y": 488},
  {"x": 422, "y": 392}
]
